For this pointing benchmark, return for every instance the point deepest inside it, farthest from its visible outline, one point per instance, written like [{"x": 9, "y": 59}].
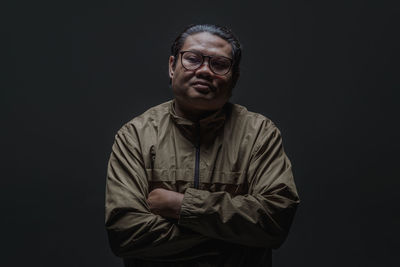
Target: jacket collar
[{"x": 203, "y": 131}]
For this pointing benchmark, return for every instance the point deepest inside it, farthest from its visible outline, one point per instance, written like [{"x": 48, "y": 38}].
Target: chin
[{"x": 207, "y": 105}]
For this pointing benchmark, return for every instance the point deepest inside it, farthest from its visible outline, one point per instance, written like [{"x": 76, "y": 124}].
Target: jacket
[{"x": 239, "y": 194}]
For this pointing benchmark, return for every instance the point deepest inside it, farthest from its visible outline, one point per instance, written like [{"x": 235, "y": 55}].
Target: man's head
[{"x": 204, "y": 67}]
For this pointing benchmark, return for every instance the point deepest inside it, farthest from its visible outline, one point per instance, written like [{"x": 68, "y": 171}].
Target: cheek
[
  {"x": 224, "y": 83},
  {"x": 182, "y": 76}
]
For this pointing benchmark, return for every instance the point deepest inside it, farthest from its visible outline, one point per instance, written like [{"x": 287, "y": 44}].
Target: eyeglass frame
[{"x": 209, "y": 59}]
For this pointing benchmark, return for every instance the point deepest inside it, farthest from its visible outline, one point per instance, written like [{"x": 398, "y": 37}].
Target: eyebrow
[{"x": 198, "y": 51}]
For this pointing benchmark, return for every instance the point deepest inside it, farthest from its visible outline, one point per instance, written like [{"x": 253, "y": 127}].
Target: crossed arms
[{"x": 163, "y": 224}]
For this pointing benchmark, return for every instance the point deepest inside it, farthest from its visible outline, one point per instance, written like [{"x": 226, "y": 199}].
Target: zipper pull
[{"x": 152, "y": 156}]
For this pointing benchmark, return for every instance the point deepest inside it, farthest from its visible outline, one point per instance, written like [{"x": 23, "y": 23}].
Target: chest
[{"x": 176, "y": 164}]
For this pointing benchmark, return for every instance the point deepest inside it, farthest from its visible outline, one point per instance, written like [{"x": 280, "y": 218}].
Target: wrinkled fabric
[{"x": 244, "y": 204}]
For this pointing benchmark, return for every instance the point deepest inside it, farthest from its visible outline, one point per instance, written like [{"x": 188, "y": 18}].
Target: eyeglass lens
[{"x": 192, "y": 61}]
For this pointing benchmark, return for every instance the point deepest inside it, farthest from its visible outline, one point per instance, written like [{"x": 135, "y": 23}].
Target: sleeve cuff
[{"x": 192, "y": 206}]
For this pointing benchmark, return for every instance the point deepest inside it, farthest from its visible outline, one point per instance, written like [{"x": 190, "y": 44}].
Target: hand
[{"x": 165, "y": 203}]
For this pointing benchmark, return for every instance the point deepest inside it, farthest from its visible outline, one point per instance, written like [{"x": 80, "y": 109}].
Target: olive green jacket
[{"x": 239, "y": 193}]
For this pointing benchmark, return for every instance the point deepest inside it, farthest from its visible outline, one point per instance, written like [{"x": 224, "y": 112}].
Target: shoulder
[
  {"x": 148, "y": 121},
  {"x": 261, "y": 133},
  {"x": 254, "y": 129},
  {"x": 240, "y": 117}
]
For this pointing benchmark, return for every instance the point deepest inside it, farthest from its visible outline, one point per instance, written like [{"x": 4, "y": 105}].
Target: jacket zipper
[{"x": 197, "y": 160}]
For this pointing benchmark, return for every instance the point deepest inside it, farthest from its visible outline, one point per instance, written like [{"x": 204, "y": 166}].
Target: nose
[{"x": 205, "y": 68}]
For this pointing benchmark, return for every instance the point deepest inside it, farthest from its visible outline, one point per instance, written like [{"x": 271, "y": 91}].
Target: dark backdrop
[{"x": 326, "y": 72}]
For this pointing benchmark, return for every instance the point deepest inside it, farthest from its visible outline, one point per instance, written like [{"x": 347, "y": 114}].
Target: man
[{"x": 199, "y": 181}]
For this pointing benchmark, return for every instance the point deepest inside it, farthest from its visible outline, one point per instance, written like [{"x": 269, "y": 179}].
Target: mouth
[{"x": 202, "y": 87}]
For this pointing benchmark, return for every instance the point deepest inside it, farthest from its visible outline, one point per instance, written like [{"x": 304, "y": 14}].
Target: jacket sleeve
[
  {"x": 132, "y": 229},
  {"x": 262, "y": 217}
]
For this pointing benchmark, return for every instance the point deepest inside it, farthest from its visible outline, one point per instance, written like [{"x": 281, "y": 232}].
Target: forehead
[{"x": 208, "y": 44}]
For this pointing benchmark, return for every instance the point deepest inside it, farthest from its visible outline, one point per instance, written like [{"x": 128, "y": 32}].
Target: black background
[{"x": 326, "y": 72}]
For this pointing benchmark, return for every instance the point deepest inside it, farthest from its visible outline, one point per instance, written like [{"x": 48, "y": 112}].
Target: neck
[{"x": 191, "y": 114}]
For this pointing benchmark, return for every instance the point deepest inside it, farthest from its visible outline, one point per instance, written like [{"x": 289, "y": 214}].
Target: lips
[{"x": 202, "y": 87}]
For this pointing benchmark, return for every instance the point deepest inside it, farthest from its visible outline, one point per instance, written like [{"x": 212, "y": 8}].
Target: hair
[{"x": 220, "y": 31}]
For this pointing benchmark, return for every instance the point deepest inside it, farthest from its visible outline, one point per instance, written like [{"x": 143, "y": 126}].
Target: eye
[
  {"x": 220, "y": 63},
  {"x": 192, "y": 58}
]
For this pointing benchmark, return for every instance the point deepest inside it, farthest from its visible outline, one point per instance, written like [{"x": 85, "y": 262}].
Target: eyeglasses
[{"x": 192, "y": 60}]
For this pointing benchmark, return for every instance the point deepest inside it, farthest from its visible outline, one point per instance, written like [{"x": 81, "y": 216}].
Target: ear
[{"x": 171, "y": 66}]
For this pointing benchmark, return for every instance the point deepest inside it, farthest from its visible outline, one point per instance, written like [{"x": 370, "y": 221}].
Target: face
[{"x": 201, "y": 90}]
